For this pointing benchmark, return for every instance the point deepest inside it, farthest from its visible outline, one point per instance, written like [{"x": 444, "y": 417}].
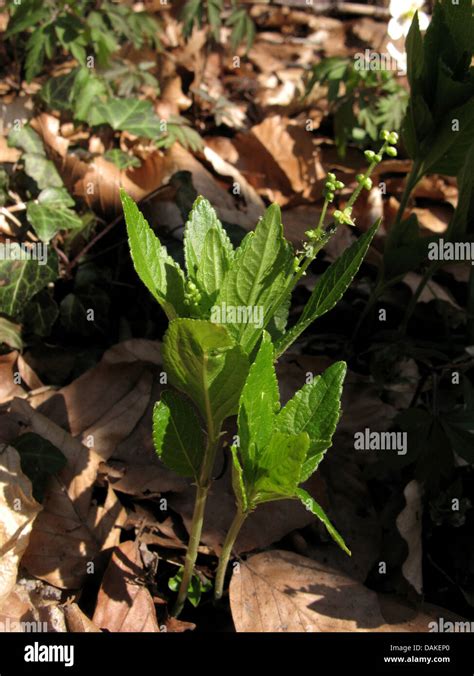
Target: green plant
[
  {"x": 438, "y": 134},
  {"x": 243, "y": 28},
  {"x": 363, "y": 101},
  {"x": 44, "y": 29},
  {"x": 223, "y": 313}
]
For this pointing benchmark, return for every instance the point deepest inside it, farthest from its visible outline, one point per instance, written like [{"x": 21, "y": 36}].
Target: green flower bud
[
  {"x": 330, "y": 196},
  {"x": 360, "y": 178},
  {"x": 393, "y": 138},
  {"x": 385, "y": 135},
  {"x": 391, "y": 151},
  {"x": 377, "y": 158},
  {"x": 339, "y": 185},
  {"x": 369, "y": 155},
  {"x": 368, "y": 183},
  {"x": 331, "y": 177}
]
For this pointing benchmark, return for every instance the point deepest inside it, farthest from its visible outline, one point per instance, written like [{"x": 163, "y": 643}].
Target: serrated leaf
[
  {"x": 204, "y": 362},
  {"x": 39, "y": 460},
  {"x": 51, "y": 213},
  {"x": 258, "y": 405},
  {"x": 21, "y": 279},
  {"x": 35, "y": 53},
  {"x": 330, "y": 287},
  {"x": 278, "y": 468},
  {"x": 177, "y": 435},
  {"x": 315, "y": 409},
  {"x": 156, "y": 268},
  {"x": 258, "y": 276},
  {"x": 316, "y": 509},
  {"x": 238, "y": 484}
]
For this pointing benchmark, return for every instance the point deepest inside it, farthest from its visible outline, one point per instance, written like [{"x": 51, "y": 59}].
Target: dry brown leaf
[
  {"x": 77, "y": 621},
  {"x": 285, "y": 592},
  {"x": 280, "y": 159},
  {"x": 18, "y": 510},
  {"x": 27, "y": 608},
  {"x": 72, "y": 530},
  {"x": 124, "y": 604},
  {"x": 8, "y": 154},
  {"x": 9, "y": 385}
]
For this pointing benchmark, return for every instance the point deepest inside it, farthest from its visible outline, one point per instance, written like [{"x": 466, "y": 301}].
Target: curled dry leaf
[
  {"x": 124, "y": 604},
  {"x": 409, "y": 524},
  {"x": 18, "y": 510},
  {"x": 284, "y": 592},
  {"x": 25, "y": 610}
]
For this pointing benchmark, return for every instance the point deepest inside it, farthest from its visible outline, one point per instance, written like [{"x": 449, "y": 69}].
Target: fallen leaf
[
  {"x": 18, "y": 511},
  {"x": 285, "y": 592},
  {"x": 72, "y": 530},
  {"x": 77, "y": 621},
  {"x": 124, "y": 604},
  {"x": 409, "y": 524}
]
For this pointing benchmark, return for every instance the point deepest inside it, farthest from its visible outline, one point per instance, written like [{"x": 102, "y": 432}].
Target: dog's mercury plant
[{"x": 219, "y": 370}]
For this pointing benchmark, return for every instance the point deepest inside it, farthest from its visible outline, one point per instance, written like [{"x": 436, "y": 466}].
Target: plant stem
[
  {"x": 198, "y": 515},
  {"x": 191, "y": 554},
  {"x": 226, "y": 552}
]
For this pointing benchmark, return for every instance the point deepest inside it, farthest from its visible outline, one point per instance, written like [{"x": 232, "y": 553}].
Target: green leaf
[
  {"x": 85, "y": 312},
  {"x": 120, "y": 159},
  {"x": 463, "y": 218},
  {"x": 315, "y": 409},
  {"x": 177, "y": 435},
  {"x": 330, "y": 287},
  {"x": 21, "y": 278},
  {"x": 278, "y": 468},
  {"x": 208, "y": 251},
  {"x": 316, "y": 509},
  {"x": 197, "y": 586},
  {"x": 238, "y": 484},
  {"x": 258, "y": 276},
  {"x": 414, "y": 49},
  {"x": 42, "y": 171},
  {"x": 158, "y": 271},
  {"x": 39, "y": 460},
  {"x": 259, "y": 402},
  {"x": 51, "y": 213},
  {"x": 204, "y": 362},
  {"x": 35, "y": 53},
  {"x": 133, "y": 115},
  {"x": 10, "y": 334},
  {"x": 40, "y": 314},
  {"x": 25, "y": 15},
  {"x": 447, "y": 152},
  {"x": 26, "y": 139}
]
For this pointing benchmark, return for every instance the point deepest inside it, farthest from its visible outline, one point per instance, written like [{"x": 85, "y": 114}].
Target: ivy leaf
[
  {"x": 21, "y": 279},
  {"x": 330, "y": 287},
  {"x": 258, "y": 276},
  {"x": 315, "y": 409},
  {"x": 133, "y": 115},
  {"x": 177, "y": 435},
  {"x": 278, "y": 468},
  {"x": 26, "y": 139},
  {"x": 161, "y": 275},
  {"x": 10, "y": 334},
  {"x": 51, "y": 213},
  {"x": 40, "y": 313},
  {"x": 204, "y": 362},
  {"x": 258, "y": 405},
  {"x": 121, "y": 159},
  {"x": 316, "y": 509},
  {"x": 39, "y": 460}
]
